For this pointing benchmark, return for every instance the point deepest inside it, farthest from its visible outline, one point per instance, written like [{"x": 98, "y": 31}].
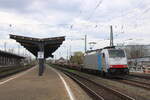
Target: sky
[{"x": 75, "y": 19}]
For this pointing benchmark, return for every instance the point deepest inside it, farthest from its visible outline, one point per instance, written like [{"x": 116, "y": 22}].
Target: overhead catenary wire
[
  {"x": 97, "y": 6},
  {"x": 96, "y": 26}
]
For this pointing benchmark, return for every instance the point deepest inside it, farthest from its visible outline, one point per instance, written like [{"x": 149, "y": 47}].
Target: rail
[{"x": 96, "y": 89}]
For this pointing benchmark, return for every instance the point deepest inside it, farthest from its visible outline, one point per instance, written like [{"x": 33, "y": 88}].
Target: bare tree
[{"x": 77, "y": 58}]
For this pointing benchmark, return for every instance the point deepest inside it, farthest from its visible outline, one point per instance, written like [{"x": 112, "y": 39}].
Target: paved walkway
[{"x": 53, "y": 85}]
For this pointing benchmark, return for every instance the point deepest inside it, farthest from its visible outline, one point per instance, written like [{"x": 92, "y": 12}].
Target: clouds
[
  {"x": 27, "y": 6},
  {"x": 43, "y": 11},
  {"x": 15, "y": 5},
  {"x": 75, "y": 18}
]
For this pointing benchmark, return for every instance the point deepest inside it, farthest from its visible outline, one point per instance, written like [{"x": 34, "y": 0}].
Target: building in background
[
  {"x": 138, "y": 57},
  {"x": 10, "y": 59}
]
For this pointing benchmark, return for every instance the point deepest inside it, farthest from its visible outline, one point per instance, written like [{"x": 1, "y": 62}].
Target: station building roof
[
  {"x": 32, "y": 44},
  {"x": 8, "y": 54}
]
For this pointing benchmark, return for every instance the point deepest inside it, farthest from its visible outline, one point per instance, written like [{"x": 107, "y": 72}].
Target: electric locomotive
[{"x": 107, "y": 61}]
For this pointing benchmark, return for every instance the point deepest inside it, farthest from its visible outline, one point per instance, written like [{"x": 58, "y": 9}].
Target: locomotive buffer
[{"x": 40, "y": 48}]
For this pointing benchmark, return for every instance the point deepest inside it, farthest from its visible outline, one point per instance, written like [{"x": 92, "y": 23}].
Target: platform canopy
[{"x": 33, "y": 44}]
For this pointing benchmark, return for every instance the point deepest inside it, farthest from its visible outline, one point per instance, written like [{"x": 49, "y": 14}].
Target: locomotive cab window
[{"x": 116, "y": 53}]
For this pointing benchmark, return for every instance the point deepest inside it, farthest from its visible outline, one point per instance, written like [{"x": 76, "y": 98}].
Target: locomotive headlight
[{"x": 111, "y": 66}]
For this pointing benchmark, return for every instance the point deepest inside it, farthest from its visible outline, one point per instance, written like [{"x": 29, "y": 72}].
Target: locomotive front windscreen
[{"x": 116, "y": 53}]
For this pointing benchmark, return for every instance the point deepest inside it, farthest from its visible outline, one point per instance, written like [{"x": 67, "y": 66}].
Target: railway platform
[{"x": 53, "y": 85}]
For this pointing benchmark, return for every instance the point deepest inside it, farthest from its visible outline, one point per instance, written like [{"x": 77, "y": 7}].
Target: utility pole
[
  {"x": 18, "y": 49},
  {"x": 111, "y": 36},
  {"x": 70, "y": 52},
  {"x": 85, "y": 43},
  {"x": 67, "y": 55},
  {"x": 5, "y": 46}
]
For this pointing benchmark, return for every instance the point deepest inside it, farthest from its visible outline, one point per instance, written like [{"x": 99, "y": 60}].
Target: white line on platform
[
  {"x": 16, "y": 76},
  {"x": 65, "y": 84}
]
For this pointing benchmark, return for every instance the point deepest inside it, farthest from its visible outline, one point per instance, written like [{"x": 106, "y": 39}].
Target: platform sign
[{"x": 40, "y": 55}]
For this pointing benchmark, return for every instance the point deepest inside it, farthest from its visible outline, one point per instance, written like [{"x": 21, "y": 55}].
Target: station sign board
[{"x": 40, "y": 55}]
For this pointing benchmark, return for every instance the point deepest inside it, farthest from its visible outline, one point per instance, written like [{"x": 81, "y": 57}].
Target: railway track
[
  {"x": 135, "y": 83},
  {"x": 140, "y": 76},
  {"x": 95, "y": 90}
]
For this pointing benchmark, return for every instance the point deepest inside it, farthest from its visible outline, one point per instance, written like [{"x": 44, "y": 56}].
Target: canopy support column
[{"x": 41, "y": 60}]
